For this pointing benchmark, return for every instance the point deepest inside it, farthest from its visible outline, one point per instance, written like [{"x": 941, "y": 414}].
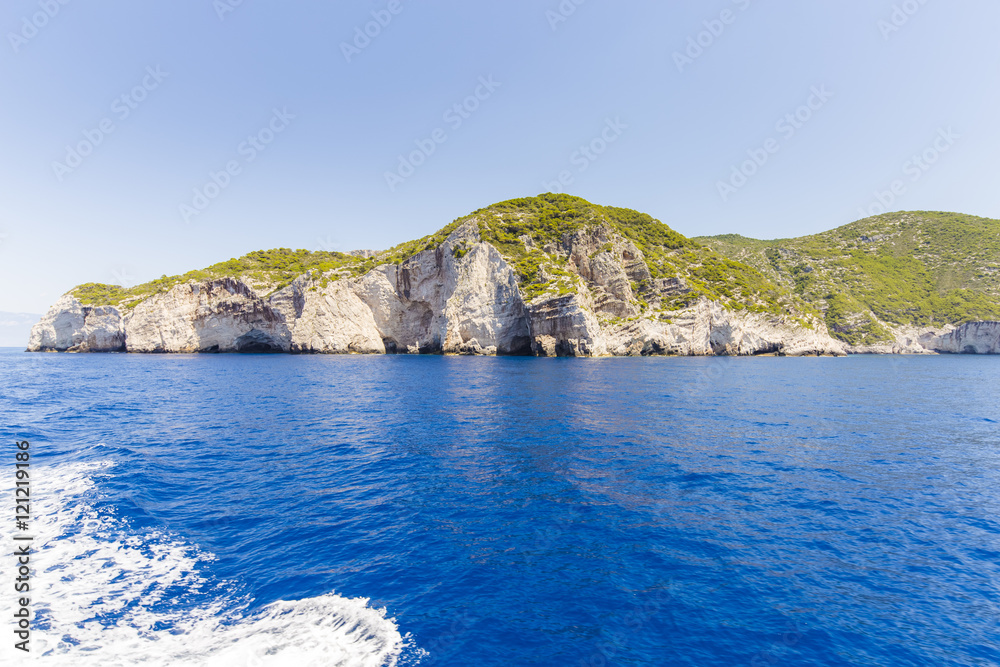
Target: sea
[{"x": 378, "y": 511}]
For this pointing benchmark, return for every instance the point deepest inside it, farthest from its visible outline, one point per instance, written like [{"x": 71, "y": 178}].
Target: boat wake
[{"x": 105, "y": 594}]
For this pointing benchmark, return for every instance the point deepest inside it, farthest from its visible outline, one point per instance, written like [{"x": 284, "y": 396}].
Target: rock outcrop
[
  {"x": 70, "y": 326},
  {"x": 905, "y": 340},
  {"x": 222, "y": 315},
  {"x": 438, "y": 301},
  {"x": 565, "y": 327},
  {"x": 463, "y": 297},
  {"x": 971, "y": 338},
  {"x": 708, "y": 329},
  {"x": 328, "y": 318}
]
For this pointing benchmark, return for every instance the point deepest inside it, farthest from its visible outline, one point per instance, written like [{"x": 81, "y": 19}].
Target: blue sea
[{"x": 425, "y": 510}]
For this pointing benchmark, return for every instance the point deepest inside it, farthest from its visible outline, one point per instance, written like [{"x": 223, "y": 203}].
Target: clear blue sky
[{"x": 678, "y": 127}]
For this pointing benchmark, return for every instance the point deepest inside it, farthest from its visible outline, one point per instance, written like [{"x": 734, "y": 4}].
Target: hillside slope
[{"x": 916, "y": 269}]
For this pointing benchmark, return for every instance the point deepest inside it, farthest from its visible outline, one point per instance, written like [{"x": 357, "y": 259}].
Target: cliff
[
  {"x": 971, "y": 338},
  {"x": 546, "y": 276}
]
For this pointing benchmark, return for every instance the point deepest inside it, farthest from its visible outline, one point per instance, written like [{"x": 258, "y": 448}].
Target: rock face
[
  {"x": 565, "y": 327},
  {"x": 437, "y": 302},
  {"x": 971, "y": 338},
  {"x": 72, "y": 327},
  {"x": 462, "y": 297},
  {"x": 215, "y": 316},
  {"x": 329, "y": 319},
  {"x": 906, "y": 340}
]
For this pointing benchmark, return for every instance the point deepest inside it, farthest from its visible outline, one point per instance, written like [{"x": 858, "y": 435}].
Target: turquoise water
[{"x": 259, "y": 510}]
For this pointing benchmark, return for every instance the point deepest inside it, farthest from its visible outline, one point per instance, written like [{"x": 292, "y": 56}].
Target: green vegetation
[
  {"x": 533, "y": 233},
  {"x": 96, "y": 294},
  {"x": 522, "y": 228},
  {"x": 272, "y": 269},
  {"x": 921, "y": 268},
  {"x": 398, "y": 254},
  {"x": 845, "y": 320}
]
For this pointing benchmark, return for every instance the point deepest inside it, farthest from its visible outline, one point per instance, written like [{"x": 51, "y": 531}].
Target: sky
[{"x": 140, "y": 138}]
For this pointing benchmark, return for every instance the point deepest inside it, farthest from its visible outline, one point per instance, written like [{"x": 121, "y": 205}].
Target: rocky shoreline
[{"x": 460, "y": 298}]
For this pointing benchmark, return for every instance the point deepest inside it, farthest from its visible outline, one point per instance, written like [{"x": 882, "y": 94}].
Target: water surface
[{"x": 224, "y": 509}]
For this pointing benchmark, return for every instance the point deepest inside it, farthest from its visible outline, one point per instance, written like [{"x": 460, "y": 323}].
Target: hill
[
  {"x": 528, "y": 232},
  {"x": 555, "y": 275},
  {"x": 920, "y": 269}
]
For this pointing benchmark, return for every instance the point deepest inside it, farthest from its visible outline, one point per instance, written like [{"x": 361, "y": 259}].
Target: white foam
[{"x": 112, "y": 596}]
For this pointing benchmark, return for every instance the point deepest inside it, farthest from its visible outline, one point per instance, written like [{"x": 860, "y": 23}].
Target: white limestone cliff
[
  {"x": 70, "y": 326},
  {"x": 462, "y": 298},
  {"x": 709, "y": 329},
  {"x": 971, "y": 338}
]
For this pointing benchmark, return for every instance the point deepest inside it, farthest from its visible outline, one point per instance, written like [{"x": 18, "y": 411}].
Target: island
[{"x": 555, "y": 275}]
